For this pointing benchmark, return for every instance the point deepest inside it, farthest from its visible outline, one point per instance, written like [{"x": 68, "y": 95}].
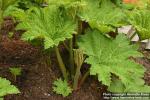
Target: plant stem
[
  {"x": 61, "y": 64},
  {"x": 71, "y": 58},
  {"x": 76, "y": 78},
  {"x": 15, "y": 78},
  {"x": 84, "y": 77},
  {"x": 1, "y": 17},
  {"x": 79, "y": 59},
  {"x": 80, "y": 27},
  {"x": 48, "y": 62},
  {"x": 66, "y": 46}
]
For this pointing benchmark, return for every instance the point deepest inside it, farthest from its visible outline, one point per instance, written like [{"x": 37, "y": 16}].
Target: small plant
[
  {"x": 6, "y": 88},
  {"x": 61, "y": 87},
  {"x": 52, "y": 25},
  {"x": 15, "y": 72}
]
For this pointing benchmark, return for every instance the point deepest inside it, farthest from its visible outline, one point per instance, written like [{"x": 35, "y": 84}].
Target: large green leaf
[
  {"x": 17, "y": 13},
  {"x": 102, "y": 14},
  {"x": 110, "y": 56},
  {"x": 117, "y": 86},
  {"x": 140, "y": 19},
  {"x": 49, "y": 24},
  {"x": 7, "y": 88}
]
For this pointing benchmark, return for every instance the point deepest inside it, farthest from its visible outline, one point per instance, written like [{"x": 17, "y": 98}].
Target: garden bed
[
  {"x": 37, "y": 77},
  {"x": 72, "y": 49}
]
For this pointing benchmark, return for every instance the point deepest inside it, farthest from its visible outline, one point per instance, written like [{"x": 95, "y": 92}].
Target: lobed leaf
[
  {"x": 110, "y": 56},
  {"x": 61, "y": 87},
  {"x": 49, "y": 24},
  {"x": 7, "y": 88},
  {"x": 102, "y": 15},
  {"x": 140, "y": 19}
]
